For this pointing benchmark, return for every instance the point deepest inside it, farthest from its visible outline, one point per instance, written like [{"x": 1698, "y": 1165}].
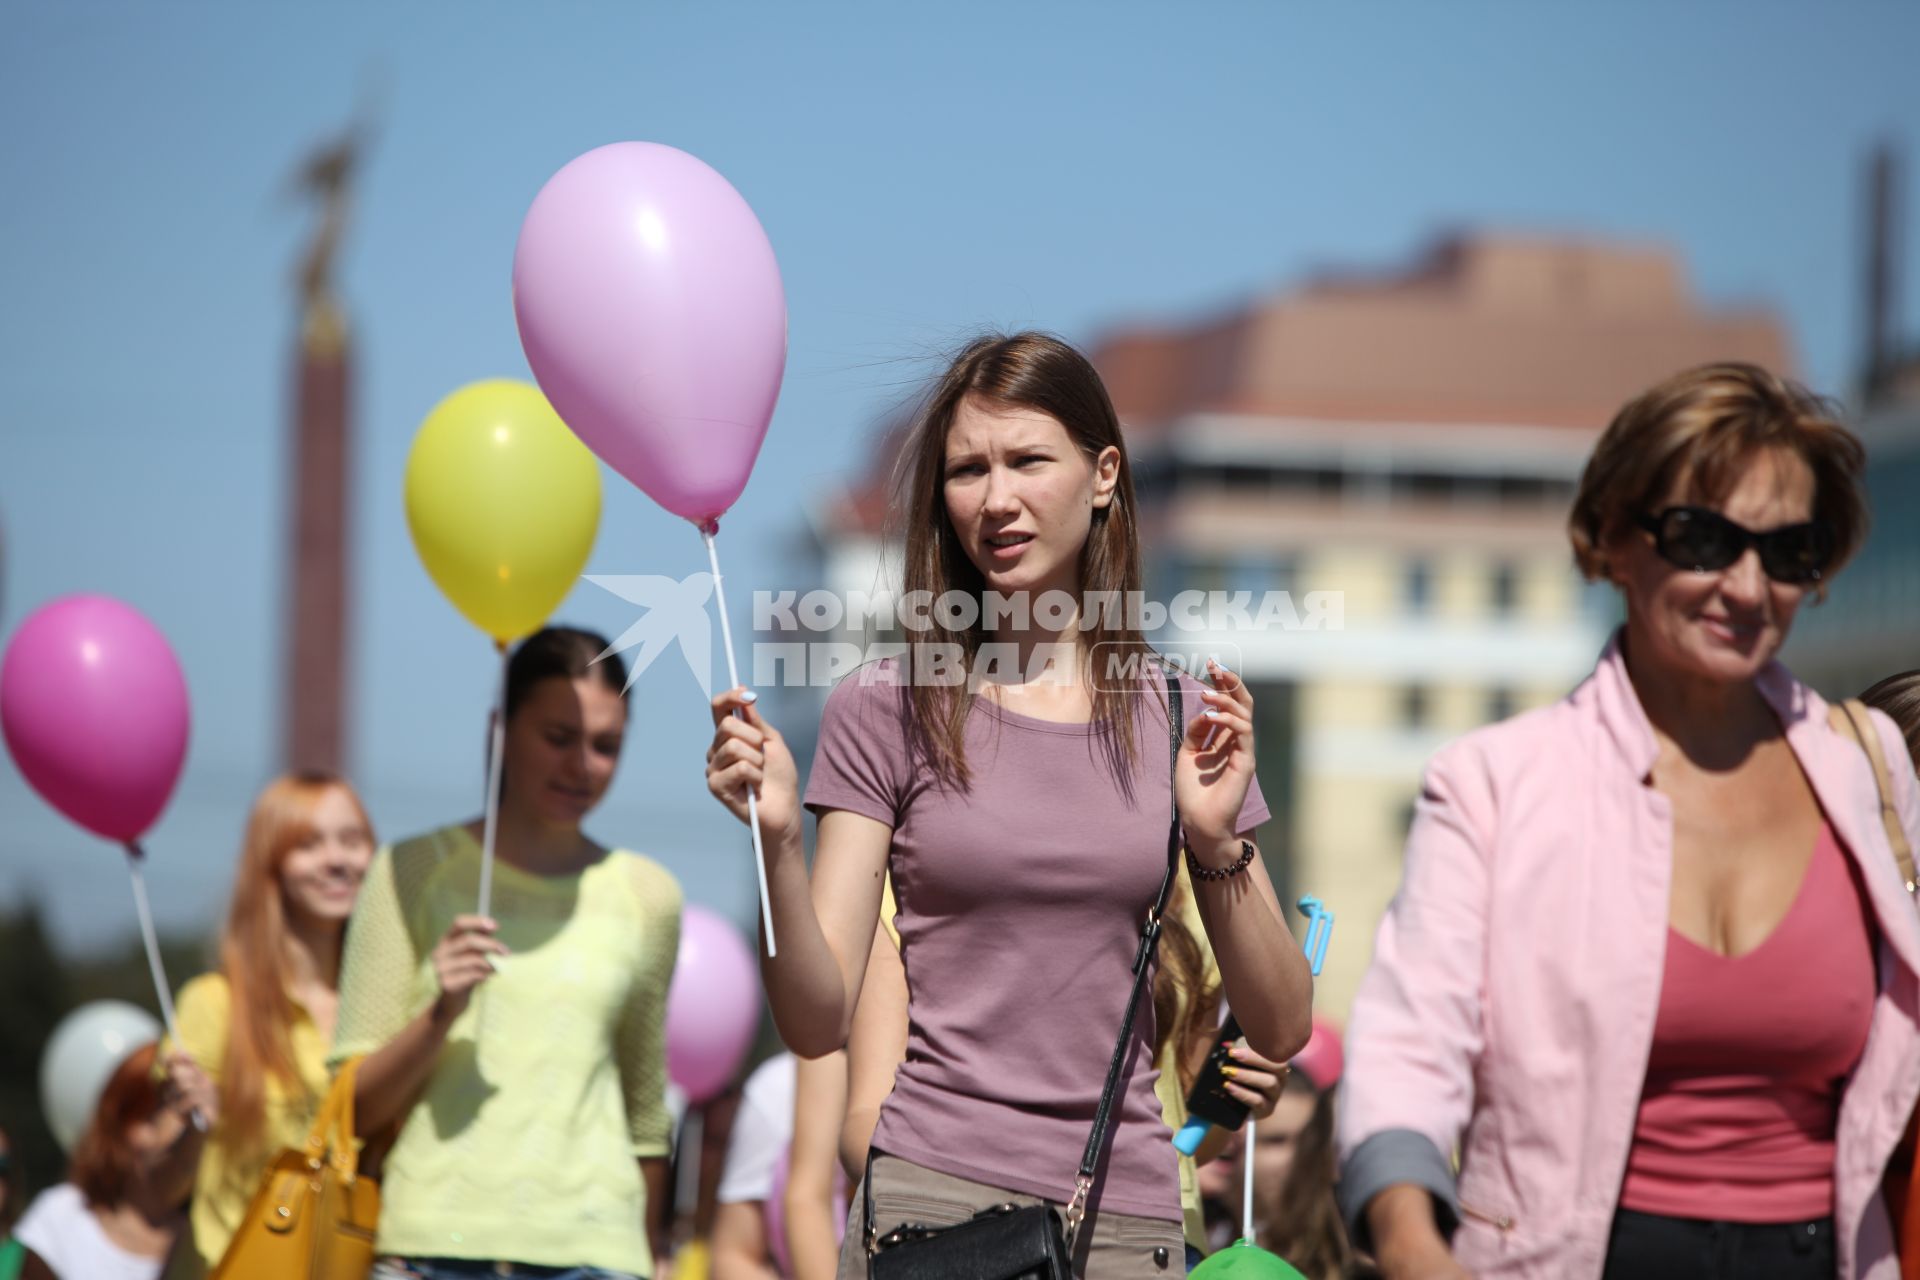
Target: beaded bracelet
[{"x": 1239, "y": 864}]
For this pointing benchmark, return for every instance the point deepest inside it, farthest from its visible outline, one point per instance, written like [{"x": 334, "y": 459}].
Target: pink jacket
[{"x": 1510, "y": 1005}]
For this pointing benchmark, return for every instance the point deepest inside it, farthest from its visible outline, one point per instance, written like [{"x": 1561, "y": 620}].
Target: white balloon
[{"x": 81, "y": 1056}]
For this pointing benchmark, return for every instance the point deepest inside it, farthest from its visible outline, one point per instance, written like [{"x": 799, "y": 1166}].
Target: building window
[
  {"x": 1414, "y": 707},
  {"x": 1526, "y": 490},
  {"x": 1246, "y": 479},
  {"x": 1429, "y": 486},
  {"x": 1501, "y": 704},
  {"x": 1505, "y": 588},
  {"x": 1418, "y": 587}
]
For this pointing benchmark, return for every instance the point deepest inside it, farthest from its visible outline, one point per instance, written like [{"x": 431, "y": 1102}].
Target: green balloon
[{"x": 1243, "y": 1260}]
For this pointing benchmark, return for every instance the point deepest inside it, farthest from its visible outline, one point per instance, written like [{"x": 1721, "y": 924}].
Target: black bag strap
[{"x": 1142, "y": 967}]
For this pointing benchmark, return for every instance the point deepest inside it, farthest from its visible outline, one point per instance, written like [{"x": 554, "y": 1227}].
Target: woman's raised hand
[
  {"x": 750, "y": 753},
  {"x": 1216, "y": 765},
  {"x": 463, "y": 960},
  {"x": 189, "y": 1091},
  {"x": 1253, "y": 1081}
]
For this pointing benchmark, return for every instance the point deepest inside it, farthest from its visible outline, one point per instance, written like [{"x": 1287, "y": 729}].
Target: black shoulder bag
[{"x": 1028, "y": 1242}]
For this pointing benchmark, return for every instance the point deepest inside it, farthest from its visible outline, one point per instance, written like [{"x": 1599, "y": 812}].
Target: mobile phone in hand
[
  {"x": 1209, "y": 1103},
  {"x": 1209, "y": 1099}
]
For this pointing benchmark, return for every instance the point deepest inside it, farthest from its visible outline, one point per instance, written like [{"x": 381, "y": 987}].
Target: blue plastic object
[{"x": 1319, "y": 930}]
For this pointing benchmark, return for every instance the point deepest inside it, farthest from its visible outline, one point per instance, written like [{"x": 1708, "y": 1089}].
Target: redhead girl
[{"x": 261, "y": 1023}]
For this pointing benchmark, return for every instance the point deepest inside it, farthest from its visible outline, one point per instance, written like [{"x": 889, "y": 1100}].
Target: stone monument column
[{"x": 318, "y": 599}]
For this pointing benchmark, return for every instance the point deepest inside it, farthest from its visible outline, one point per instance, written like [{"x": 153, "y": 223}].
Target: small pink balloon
[
  {"x": 1324, "y": 1058},
  {"x": 651, "y": 311},
  {"x": 93, "y": 707},
  {"x": 713, "y": 1006}
]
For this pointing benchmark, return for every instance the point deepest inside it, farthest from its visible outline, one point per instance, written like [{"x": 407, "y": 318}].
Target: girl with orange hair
[
  {"x": 261, "y": 1024},
  {"x": 119, "y": 1212}
]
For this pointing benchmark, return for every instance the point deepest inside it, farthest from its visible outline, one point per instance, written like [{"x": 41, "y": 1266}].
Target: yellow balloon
[{"x": 503, "y": 502}]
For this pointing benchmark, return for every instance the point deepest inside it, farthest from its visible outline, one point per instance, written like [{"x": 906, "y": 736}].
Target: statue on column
[
  {"x": 327, "y": 177},
  {"x": 318, "y": 596}
]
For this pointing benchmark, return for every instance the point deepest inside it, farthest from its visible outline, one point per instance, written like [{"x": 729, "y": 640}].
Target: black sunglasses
[{"x": 1702, "y": 540}]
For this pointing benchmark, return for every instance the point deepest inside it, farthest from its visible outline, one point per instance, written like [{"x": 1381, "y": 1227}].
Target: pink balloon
[
  {"x": 651, "y": 310},
  {"x": 1324, "y": 1057},
  {"x": 713, "y": 1007},
  {"x": 93, "y": 707}
]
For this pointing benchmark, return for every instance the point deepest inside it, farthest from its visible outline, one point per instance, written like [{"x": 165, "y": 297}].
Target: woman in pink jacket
[{"x": 1652, "y": 970}]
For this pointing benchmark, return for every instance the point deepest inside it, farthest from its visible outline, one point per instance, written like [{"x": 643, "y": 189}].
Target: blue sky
[{"x": 923, "y": 172}]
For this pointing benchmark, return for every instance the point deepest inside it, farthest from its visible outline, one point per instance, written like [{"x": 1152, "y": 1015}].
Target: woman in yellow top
[
  {"x": 531, "y": 1112},
  {"x": 261, "y": 1024}
]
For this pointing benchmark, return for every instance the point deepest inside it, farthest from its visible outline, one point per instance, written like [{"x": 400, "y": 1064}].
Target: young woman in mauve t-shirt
[{"x": 1011, "y": 773}]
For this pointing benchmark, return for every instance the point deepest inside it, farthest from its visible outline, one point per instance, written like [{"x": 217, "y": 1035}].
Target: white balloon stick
[
  {"x": 687, "y": 1152},
  {"x": 496, "y": 755},
  {"x": 733, "y": 682},
  {"x": 1246, "y": 1190},
  {"x": 136, "y": 858}
]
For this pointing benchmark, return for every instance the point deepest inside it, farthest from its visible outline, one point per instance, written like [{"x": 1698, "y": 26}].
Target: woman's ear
[
  {"x": 1610, "y": 555},
  {"x": 1106, "y": 476}
]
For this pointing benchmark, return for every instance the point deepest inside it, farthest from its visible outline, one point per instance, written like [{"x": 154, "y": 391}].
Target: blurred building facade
[
  {"x": 1869, "y": 627},
  {"x": 1409, "y": 442}
]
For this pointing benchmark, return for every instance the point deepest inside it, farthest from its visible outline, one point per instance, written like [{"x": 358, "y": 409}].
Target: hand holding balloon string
[
  {"x": 707, "y": 530},
  {"x": 136, "y": 855}
]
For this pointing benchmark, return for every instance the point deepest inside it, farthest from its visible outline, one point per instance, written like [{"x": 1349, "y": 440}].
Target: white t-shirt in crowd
[
  {"x": 762, "y": 1131},
  {"x": 60, "y": 1228}
]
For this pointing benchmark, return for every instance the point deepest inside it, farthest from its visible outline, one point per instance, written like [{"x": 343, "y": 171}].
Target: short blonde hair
[{"x": 1695, "y": 433}]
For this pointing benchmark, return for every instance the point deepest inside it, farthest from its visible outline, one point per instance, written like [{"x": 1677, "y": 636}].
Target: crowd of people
[{"x": 1646, "y": 1004}]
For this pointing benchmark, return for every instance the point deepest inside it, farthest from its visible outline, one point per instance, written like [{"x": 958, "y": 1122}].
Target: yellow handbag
[{"x": 314, "y": 1215}]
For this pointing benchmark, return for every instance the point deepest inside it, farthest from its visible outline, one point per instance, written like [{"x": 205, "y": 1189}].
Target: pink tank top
[{"x": 1750, "y": 1053}]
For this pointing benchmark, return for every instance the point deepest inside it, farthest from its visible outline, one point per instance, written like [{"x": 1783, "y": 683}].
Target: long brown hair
[
  {"x": 104, "y": 1161},
  {"x": 1186, "y": 1004},
  {"x": 1302, "y": 1223},
  {"x": 253, "y": 955},
  {"x": 1029, "y": 371},
  {"x": 1899, "y": 697}
]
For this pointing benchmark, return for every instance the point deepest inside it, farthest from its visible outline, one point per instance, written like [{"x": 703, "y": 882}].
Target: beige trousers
[{"x": 1111, "y": 1246}]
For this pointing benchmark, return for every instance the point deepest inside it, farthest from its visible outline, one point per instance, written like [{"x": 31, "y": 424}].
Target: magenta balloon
[
  {"x": 651, "y": 310},
  {"x": 713, "y": 1007},
  {"x": 93, "y": 707}
]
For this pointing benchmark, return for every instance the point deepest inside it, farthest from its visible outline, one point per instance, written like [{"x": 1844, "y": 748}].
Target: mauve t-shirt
[{"x": 1020, "y": 904}]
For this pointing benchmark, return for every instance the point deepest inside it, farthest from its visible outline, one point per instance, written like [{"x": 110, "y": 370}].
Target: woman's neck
[
  {"x": 536, "y": 845},
  {"x": 138, "y": 1223},
  {"x": 1046, "y": 648},
  {"x": 312, "y": 950},
  {"x": 1715, "y": 723}
]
